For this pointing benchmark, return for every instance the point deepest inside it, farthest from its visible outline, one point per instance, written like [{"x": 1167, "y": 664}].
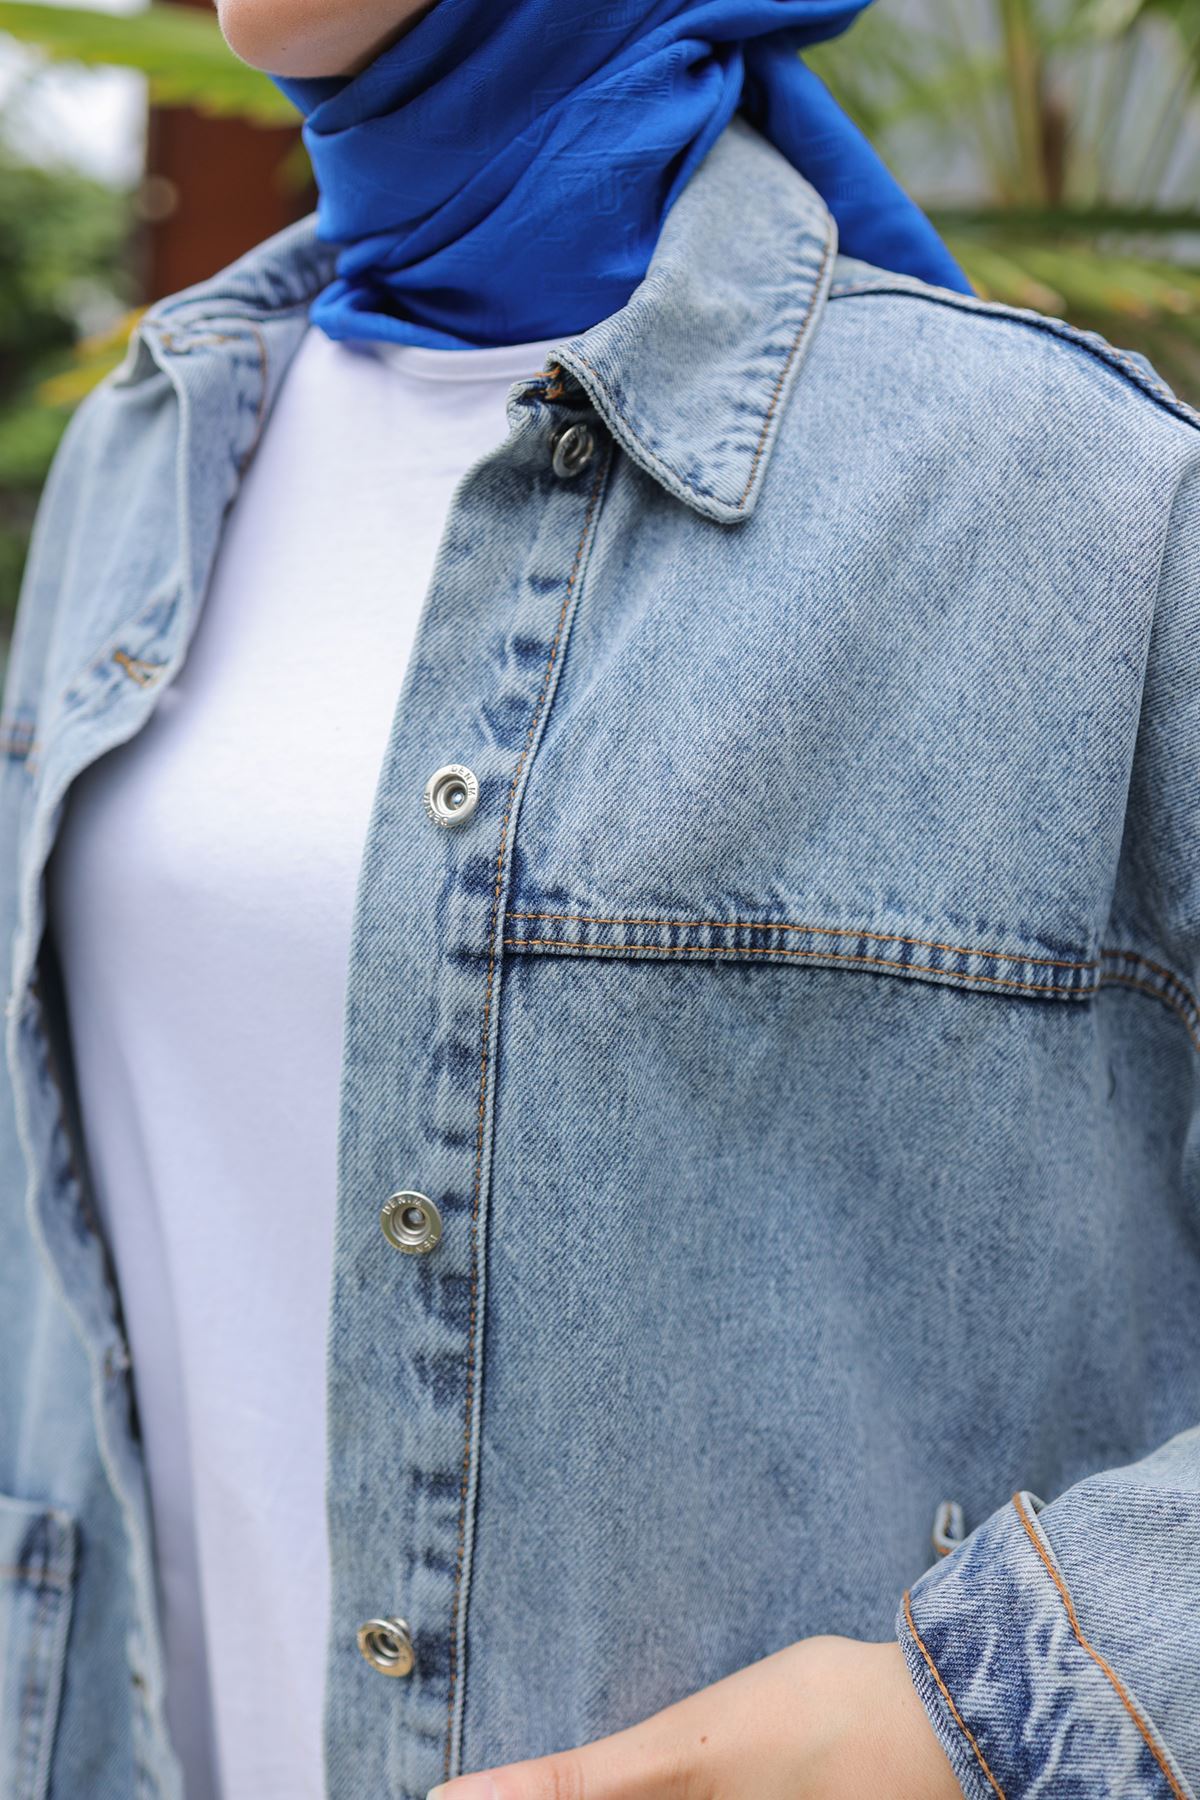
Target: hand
[{"x": 826, "y": 1719}]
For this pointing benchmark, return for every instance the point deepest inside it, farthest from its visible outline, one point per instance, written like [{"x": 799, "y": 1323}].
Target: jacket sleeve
[{"x": 1057, "y": 1649}]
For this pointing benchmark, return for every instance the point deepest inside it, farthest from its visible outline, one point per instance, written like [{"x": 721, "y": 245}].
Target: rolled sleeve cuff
[{"x": 1024, "y": 1706}]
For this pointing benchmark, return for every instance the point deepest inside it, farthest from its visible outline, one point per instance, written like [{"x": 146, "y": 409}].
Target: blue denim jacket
[{"x": 799, "y": 1039}]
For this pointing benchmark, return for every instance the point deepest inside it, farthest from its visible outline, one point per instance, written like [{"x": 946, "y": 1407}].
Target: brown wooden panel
[{"x": 213, "y": 188}]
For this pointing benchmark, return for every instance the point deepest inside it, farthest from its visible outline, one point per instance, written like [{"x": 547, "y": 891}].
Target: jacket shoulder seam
[{"x": 1102, "y": 352}]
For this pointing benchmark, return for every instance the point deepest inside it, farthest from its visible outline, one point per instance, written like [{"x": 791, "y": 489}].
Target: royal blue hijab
[{"x": 501, "y": 172}]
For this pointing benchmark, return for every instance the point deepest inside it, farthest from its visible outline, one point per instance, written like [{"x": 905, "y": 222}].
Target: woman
[{"x": 602, "y": 771}]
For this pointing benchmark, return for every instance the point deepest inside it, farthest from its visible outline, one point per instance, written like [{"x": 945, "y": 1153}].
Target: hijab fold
[{"x": 501, "y": 172}]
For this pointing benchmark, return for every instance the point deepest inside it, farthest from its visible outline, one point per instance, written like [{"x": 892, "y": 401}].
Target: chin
[{"x": 307, "y": 37}]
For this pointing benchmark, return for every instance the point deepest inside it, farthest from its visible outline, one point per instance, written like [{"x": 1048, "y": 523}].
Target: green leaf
[
  {"x": 1054, "y": 222},
  {"x": 178, "y": 48}
]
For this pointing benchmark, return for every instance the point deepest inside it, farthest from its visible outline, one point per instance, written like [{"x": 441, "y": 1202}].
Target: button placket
[{"x": 421, "y": 1051}]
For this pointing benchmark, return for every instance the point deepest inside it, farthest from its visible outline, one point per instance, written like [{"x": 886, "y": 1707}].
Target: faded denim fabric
[{"x": 800, "y": 1039}]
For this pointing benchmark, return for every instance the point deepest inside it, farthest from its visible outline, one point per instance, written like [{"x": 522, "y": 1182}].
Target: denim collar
[{"x": 691, "y": 376}]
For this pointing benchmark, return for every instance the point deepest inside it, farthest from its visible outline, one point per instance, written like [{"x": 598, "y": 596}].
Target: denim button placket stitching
[
  {"x": 487, "y": 1062},
  {"x": 422, "y": 1017}
]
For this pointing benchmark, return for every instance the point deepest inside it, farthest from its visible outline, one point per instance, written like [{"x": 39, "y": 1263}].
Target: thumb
[{"x": 645, "y": 1762}]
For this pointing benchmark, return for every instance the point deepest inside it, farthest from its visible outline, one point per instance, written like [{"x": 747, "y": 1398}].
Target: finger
[{"x": 651, "y": 1760}]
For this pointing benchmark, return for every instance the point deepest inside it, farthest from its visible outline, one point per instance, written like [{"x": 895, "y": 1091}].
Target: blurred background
[{"x": 1056, "y": 144}]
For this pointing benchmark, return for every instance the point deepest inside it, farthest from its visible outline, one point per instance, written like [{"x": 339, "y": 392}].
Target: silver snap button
[
  {"x": 411, "y": 1222},
  {"x": 949, "y": 1527},
  {"x": 387, "y": 1646},
  {"x": 572, "y": 448},
  {"x": 451, "y": 794}
]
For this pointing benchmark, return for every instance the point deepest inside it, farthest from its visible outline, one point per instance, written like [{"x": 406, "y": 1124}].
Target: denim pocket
[
  {"x": 815, "y": 755},
  {"x": 37, "y": 1572}
]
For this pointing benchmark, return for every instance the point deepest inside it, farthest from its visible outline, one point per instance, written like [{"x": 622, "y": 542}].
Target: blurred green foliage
[
  {"x": 62, "y": 257},
  {"x": 1071, "y": 129},
  {"x": 66, "y": 242},
  {"x": 1056, "y": 144},
  {"x": 179, "y": 49}
]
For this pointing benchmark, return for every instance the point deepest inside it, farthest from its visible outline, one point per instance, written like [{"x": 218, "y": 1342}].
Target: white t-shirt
[{"x": 201, "y": 894}]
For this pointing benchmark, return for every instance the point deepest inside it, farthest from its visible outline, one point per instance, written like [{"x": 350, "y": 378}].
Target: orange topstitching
[
  {"x": 878, "y": 937},
  {"x": 948, "y": 1698},
  {"x": 1095, "y": 1655}
]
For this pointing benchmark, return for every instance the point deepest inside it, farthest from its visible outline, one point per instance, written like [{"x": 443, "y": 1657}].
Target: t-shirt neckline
[{"x": 497, "y": 362}]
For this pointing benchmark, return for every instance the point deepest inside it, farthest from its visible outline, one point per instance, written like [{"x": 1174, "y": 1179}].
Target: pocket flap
[{"x": 37, "y": 1574}]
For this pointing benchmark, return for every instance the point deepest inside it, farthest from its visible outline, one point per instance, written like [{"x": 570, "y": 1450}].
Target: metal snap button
[
  {"x": 451, "y": 794},
  {"x": 411, "y": 1222},
  {"x": 387, "y": 1646},
  {"x": 949, "y": 1527},
  {"x": 572, "y": 448}
]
